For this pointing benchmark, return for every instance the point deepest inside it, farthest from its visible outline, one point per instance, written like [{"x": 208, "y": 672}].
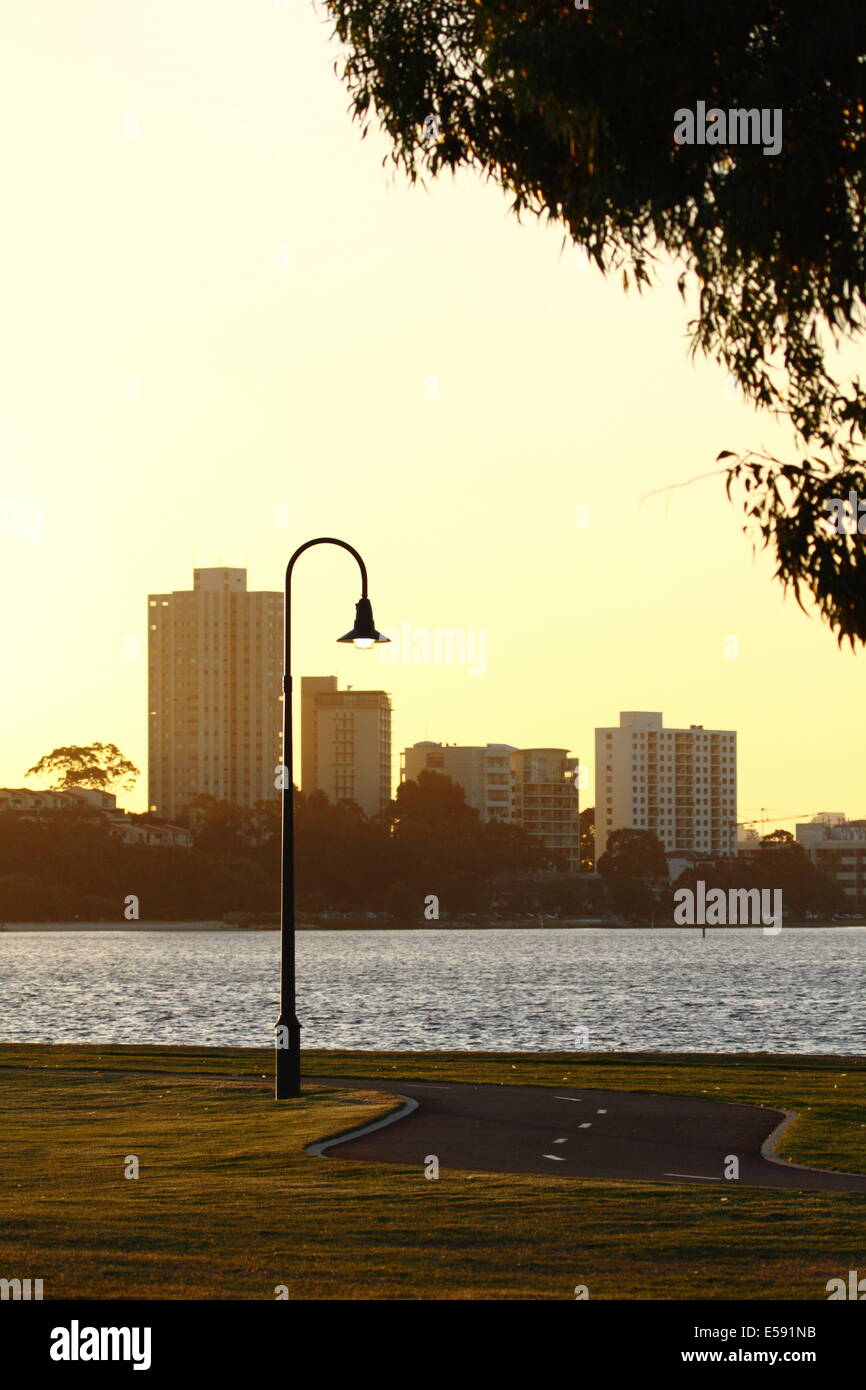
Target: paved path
[{"x": 579, "y": 1134}]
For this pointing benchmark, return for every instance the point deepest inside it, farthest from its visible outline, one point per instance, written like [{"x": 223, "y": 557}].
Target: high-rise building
[
  {"x": 346, "y": 743},
  {"x": 214, "y": 680},
  {"x": 544, "y": 800},
  {"x": 532, "y": 787},
  {"x": 679, "y": 783}
]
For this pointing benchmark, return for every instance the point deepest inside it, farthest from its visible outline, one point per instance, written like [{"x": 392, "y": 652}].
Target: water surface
[{"x": 501, "y": 989}]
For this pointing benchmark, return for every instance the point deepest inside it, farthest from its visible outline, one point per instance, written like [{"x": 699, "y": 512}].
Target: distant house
[{"x": 132, "y": 829}]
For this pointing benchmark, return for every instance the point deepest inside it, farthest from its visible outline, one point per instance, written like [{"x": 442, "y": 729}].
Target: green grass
[{"x": 229, "y": 1206}]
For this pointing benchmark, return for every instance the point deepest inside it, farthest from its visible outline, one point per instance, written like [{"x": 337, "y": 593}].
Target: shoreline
[{"x": 355, "y": 926}]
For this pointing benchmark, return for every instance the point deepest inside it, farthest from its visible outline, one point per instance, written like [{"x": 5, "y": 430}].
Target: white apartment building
[
  {"x": 346, "y": 743},
  {"x": 214, "y": 684},
  {"x": 679, "y": 783},
  {"x": 532, "y": 787}
]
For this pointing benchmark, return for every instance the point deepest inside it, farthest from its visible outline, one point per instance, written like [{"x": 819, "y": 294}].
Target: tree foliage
[
  {"x": 637, "y": 854},
  {"x": 571, "y": 113},
  {"x": 779, "y": 862},
  {"x": 67, "y": 862},
  {"x": 587, "y": 839},
  {"x": 100, "y": 766}
]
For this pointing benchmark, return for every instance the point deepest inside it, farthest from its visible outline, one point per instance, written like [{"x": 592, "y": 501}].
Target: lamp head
[{"x": 364, "y": 633}]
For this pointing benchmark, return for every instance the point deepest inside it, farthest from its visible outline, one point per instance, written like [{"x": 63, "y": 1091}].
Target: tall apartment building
[
  {"x": 544, "y": 800},
  {"x": 346, "y": 743},
  {"x": 214, "y": 682},
  {"x": 679, "y": 783},
  {"x": 838, "y": 847},
  {"x": 532, "y": 787}
]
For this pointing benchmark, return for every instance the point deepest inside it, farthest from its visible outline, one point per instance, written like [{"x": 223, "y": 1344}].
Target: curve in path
[{"x": 565, "y": 1133}]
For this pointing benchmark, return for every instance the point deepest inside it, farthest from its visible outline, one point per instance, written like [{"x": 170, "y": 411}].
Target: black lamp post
[{"x": 362, "y": 634}]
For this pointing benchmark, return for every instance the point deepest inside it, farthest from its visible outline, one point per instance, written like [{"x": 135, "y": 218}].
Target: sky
[{"x": 229, "y": 328}]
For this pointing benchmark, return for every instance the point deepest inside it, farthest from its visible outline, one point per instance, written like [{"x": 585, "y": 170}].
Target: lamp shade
[{"x": 364, "y": 633}]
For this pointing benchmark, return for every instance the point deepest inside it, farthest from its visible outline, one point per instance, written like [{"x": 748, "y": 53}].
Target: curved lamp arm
[{"x": 328, "y": 540}]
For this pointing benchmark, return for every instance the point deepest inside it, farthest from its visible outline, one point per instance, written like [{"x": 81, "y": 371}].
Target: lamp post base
[{"x": 288, "y": 1060}]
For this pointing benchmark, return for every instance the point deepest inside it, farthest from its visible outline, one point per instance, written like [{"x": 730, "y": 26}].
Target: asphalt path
[{"x": 565, "y": 1133}]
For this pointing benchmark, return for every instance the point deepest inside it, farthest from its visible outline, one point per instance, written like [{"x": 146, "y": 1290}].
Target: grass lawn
[{"x": 227, "y": 1204}]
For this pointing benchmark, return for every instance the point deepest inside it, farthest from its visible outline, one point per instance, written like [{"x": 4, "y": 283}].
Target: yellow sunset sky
[{"x": 218, "y": 303}]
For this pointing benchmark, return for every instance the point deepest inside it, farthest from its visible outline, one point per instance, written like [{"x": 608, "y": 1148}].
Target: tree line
[
  {"x": 65, "y": 863},
  {"x": 635, "y": 864}
]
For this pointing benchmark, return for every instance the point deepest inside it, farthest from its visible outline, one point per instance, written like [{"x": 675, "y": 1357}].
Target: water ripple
[{"x": 499, "y": 990}]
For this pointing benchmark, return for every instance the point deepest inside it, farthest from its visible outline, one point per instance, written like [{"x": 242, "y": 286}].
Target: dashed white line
[
  {"x": 601, "y": 1112},
  {"x": 560, "y": 1141},
  {"x": 588, "y": 1125},
  {"x": 577, "y": 1100},
  {"x": 556, "y": 1157}
]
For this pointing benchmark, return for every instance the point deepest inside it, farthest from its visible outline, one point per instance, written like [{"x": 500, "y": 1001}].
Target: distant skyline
[{"x": 229, "y": 329}]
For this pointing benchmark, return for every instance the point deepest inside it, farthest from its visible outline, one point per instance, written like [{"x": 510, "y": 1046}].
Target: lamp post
[{"x": 362, "y": 634}]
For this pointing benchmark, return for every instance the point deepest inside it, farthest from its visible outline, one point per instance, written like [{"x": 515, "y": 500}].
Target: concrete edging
[
  {"x": 772, "y": 1139},
  {"x": 769, "y": 1144},
  {"x": 405, "y": 1109}
]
